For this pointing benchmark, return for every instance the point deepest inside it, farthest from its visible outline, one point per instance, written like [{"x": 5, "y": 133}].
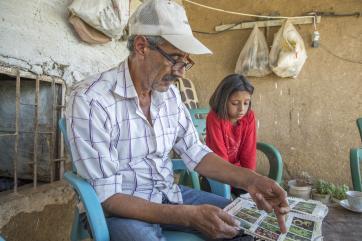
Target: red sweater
[{"x": 234, "y": 143}]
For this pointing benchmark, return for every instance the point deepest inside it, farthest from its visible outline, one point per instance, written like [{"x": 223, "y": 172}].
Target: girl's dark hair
[{"x": 230, "y": 84}]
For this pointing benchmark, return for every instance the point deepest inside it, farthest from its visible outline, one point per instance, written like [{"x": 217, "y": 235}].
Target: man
[{"x": 123, "y": 123}]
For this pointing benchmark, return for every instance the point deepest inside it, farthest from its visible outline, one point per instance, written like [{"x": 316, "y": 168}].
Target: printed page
[
  {"x": 265, "y": 225},
  {"x": 255, "y": 222},
  {"x": 307, "y": 207},
  {"x": 303, "y": 228}
]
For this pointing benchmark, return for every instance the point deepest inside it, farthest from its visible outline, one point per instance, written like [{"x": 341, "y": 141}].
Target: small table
[{"x": 341, "y": 224}]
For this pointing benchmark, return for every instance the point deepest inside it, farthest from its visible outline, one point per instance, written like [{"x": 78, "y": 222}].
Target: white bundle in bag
[
  {"x": 108, "y": 16},
  {"x": 254, "y": 57},
  {"x": 288, "y": 54}
]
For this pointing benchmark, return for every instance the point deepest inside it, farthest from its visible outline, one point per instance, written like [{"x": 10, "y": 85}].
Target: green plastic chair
[
  {"x": 198, "y": 116},
  {"x": 94, "y": 212},
  {"x": 359, "y": 125},
  {"x": 355, "y": 157}
]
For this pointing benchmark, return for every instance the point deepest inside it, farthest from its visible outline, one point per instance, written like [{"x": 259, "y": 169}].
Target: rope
[{"x": 246, "y": 14}]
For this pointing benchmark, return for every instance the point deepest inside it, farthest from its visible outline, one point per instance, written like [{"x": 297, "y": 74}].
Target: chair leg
[
  {"x": 78, "y": 231},
  {"x": 75, "y": 227}
]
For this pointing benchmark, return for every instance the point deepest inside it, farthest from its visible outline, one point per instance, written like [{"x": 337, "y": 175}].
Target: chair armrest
[
  {"x": 355, "y": 158},
  {"x": 178, "y": 164},
  {"x": 219, "y": 188},
  {"x": 92, "y": 206},
  {"x": 275, "y": 161}
]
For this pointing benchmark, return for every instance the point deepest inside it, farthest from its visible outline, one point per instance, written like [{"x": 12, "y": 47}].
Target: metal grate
[{"x": 32, "y": 147}]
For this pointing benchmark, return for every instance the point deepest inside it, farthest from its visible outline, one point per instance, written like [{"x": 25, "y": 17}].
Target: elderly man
[{"x": 123, "y": 123}]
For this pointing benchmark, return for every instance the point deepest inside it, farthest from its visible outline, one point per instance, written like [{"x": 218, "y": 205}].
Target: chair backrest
[
  {"x": 359, "y": 125},
  {"x": 198, "y": 117},
  {"x": 87, "y": 195},
  {"x": 355, "y": 160},
  {"x": 63, "y": 129}
]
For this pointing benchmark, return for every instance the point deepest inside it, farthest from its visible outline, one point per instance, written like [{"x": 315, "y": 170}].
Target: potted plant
[
  {"x": 339, "y": 193},
  {"x": 301, "y": 186},
  {"x": 323, "y": 191}
]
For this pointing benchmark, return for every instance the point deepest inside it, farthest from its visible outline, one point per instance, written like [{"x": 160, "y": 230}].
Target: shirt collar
[
  {"x": 124, "y": 85},
  {"x": 125, "y": 88}
]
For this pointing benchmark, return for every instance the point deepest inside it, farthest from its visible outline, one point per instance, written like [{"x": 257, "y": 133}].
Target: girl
[{"x": 230, "y": 125}]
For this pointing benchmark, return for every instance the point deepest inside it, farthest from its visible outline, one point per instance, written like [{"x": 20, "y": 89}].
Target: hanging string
[
  {"x": 246, "y": 14},
  {"x": 315, "y": 22}
]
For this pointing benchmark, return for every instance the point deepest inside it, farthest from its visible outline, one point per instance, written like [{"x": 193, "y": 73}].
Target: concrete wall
[
  {"x": 36, "y": 36},
  {"x": 40, "y": 214},
  {"x": 310, "y": 119}
]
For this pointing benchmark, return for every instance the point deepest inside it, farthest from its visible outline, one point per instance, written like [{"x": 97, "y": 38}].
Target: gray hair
[{"x": 152, "y": 40}]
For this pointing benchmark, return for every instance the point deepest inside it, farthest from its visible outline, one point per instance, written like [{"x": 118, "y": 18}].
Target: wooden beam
[{"x": 267, "y": 23}]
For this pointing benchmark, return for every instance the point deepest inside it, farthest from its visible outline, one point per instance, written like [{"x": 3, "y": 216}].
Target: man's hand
[
  {"x": 211, "y": 221},
  {"x": 269, "y": 196}
]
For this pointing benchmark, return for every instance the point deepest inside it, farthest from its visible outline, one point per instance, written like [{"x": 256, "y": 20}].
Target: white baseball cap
[{"x": 167, "y": 19}]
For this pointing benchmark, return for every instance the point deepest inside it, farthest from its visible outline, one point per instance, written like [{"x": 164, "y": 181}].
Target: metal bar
[
  {"x": 59, "y": 160},
  {"x": 53, "y": 135},
  {"x": 36, "y": 129},
  {"x": 17, "y": 110},
  {"x": 40, "y": 132},
  {"x": 61, "y": 141},
  {"x": 267, "y": 23},
  {"x": 27, "y": 104},
  {"x": 24, "y": 74},
  {"x": 10, "y": 134}
]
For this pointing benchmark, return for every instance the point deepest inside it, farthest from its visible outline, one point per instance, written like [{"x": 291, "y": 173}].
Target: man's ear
[{"x": 139, "y": 45}]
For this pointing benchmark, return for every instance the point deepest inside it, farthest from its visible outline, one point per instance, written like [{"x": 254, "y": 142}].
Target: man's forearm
[
  {"x": 214, "y": 167},
  {"x": 122, "y": 205}
]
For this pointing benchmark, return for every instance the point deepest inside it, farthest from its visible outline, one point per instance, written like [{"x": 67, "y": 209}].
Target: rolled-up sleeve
[
  {"x": 89, "y": 135},
  {"x": 188, "y": 144}
]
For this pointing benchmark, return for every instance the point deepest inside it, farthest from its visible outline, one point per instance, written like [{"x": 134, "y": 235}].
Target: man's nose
[{"x": 180, "y": 72}]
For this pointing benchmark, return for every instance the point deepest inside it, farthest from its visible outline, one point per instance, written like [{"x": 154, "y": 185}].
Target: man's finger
[
  {"x": 281, "y": 222},
  {"x": 261, "y": 203},
  {"x": 228, "y": 231},
  {"x": 228, "y": 219}
]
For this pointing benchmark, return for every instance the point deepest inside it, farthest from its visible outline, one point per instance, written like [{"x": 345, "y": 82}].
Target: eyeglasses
[{"x": 175, "y": 63}]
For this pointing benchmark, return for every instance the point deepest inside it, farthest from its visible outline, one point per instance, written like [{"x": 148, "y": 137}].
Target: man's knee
[{"x": 121, "y": 229}]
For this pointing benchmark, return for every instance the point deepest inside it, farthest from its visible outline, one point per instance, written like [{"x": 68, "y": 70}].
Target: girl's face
[{"x": 237, "y": 105}]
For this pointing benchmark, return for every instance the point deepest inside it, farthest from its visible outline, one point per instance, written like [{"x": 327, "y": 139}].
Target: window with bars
[{"x": 30, "y": 142}]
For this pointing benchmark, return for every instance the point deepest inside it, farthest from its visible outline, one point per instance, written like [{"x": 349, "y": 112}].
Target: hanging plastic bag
[
  {"x": 288, "y": 54},
  {"x": 254, "y": 57},
  {"x": 108, "y": 16}
]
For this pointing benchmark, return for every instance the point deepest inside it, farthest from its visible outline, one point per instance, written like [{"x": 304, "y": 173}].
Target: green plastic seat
[
  {"x": 94, "y": 212},
  {"x": 355, "y": 159},
  {"x": 198, "y": 117},
  {"x": 359, "y": 125}
]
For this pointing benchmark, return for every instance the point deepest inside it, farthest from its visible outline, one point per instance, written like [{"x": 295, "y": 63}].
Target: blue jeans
[{"x": 122, "y": 229}]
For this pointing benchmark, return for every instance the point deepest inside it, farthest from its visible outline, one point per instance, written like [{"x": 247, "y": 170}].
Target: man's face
[{"x": 162, "y": 73}]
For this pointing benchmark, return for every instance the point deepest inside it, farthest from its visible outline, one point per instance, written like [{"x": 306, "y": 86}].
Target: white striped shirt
[{"x": 116, "y": 149}]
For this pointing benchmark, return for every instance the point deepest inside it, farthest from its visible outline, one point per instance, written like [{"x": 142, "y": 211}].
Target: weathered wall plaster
[
  {"x": 310, "y": 119},
  {"x": 29, "y": 200},
  {"x": 36, "y": 36}
]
